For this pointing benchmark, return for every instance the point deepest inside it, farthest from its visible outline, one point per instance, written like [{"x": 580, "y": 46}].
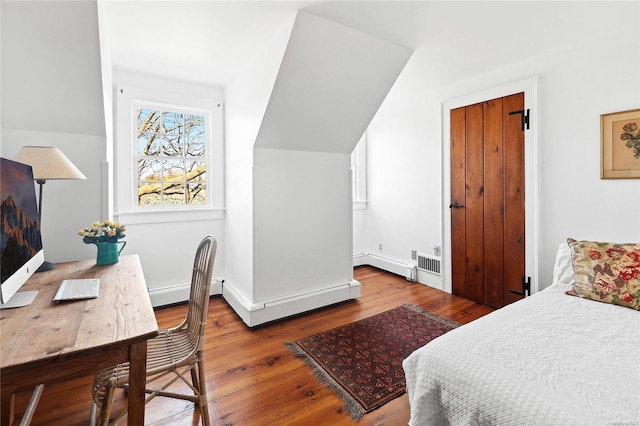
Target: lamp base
[{"x": 46, "y": 266}]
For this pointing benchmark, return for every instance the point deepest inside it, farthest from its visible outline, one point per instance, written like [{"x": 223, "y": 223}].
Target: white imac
[{"x": 20, "y": 238}]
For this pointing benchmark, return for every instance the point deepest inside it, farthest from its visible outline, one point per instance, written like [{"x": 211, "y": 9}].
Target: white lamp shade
[{"x": 48, "y": 163}]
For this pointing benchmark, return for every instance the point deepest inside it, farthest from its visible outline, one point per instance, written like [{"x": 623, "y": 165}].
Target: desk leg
[
  {"x": 137, "y": 382},
  {"x": 8, "y": 399}
]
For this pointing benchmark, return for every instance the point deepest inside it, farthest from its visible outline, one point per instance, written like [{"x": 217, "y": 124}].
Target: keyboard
[{"x": 78, "y": 289}]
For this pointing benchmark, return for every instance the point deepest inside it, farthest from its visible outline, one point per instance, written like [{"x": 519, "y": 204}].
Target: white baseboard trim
[
  {"x": 178, "y": 293},
  {"x": 398, "y": 268},
  {"x": 256, "y": 313},
  {"x": 430, "y": 280}
]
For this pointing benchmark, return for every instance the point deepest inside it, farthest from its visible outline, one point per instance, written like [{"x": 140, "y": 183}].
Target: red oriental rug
[{"x": 362, "y": 361}]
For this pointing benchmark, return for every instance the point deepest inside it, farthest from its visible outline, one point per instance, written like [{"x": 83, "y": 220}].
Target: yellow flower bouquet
[{"x": 101, "y": 232}]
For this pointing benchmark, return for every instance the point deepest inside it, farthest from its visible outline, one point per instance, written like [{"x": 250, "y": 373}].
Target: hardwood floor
[{"x": 251, "y": 376}]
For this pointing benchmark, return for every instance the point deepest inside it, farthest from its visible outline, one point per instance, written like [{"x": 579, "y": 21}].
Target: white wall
[
  {"x": 359, "y": 230},
  {"x": 329, "y": 84},
  {"x": 302, "y": 230},
  {"x": 107, "y": 94},
  {"x": 166, "y": 245},
  {"x": 51, "y": 77},
  {"x": 246, "y": 101},
  {"x": 577, "y": 87},
  {"x": 67, "y": 205},
  {"x": 52, "y": 96},
  {"x": 594, "y": 76}
]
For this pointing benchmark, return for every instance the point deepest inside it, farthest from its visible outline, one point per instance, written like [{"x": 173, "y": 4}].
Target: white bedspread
[{"x": 550, "y": 359}]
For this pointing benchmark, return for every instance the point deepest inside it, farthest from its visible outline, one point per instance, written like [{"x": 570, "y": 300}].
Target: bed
[{"x": 549, "y": 359}]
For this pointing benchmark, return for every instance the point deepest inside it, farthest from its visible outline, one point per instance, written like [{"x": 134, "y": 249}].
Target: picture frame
[{"x": 620, "y": 145}]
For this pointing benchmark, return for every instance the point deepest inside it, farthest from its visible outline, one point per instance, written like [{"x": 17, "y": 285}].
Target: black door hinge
[
  {"x": 524, "y": 118},
  {"x": 526, "y": 287}
]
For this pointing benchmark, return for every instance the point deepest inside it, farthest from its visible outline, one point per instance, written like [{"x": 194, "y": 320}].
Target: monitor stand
[
  {"x": 20, "y": 299},
  {"x": 46, "y": 266}
]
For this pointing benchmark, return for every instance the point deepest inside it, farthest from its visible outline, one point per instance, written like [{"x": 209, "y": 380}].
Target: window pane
[
  {"x": 170, "y": 122},
  {"x": 148, "y": 129},
  {"x": 196, "y": 171},
  {"x": 173, "y": 194},
  {"x": 195, "y": 135},
  {"x": 149, "y": 170},
  {"x": 173, "y": 171},
  {"x": 173, "y": 123},
  {"x": 194, "y": 147},
  {"x": 193, "y": 124},
  {"x": 147, "y": 118},
  {"x": 172, "y": 145},
  {"x": 196, "y": 193},
  {"x": 148, "y": 145},
  {"x": 149, "y": 194}
]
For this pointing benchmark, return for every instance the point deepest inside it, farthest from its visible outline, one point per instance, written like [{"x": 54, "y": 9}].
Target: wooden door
[{"x": 487, "y": 201}]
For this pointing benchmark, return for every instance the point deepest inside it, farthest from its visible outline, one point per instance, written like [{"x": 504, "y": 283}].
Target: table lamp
[{"x": 48, "y": 163}]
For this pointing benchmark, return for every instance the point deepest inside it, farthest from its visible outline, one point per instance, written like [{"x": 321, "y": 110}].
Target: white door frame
[{"x": 530, "y": 88}]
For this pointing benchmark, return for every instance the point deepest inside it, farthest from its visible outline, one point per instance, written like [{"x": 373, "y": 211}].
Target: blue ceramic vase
[{"x": 108, "y": 252}]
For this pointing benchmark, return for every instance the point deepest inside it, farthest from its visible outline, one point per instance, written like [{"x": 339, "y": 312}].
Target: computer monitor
[{"x": 20, "y": 238}]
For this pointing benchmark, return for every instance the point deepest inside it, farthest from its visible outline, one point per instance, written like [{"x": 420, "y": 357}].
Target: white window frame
[
  {"x": 126, "y": 167},
  {"x": 359, "y": 173},
  {"x": 137, "y": 105}
]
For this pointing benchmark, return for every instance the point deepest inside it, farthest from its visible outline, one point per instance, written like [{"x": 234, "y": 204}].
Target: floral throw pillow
[{"x": 606, "y": 272}]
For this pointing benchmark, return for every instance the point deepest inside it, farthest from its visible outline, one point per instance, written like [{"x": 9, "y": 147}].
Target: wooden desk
[{"x": 47, "y": 342}]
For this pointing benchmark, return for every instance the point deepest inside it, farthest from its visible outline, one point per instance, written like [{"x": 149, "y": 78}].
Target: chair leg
[
  {"x": 195, "y": 380},
  {"x": 202, "y": 387},
  {"x": 107, "y": 405},
  {"x": 31, "y": 408},
  {"x": 92, "y": 416}
]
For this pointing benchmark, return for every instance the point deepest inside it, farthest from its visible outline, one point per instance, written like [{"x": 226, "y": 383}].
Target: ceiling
[{"x": 211, "y": 41}]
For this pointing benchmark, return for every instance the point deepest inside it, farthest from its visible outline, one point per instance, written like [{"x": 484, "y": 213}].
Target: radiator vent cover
[{"x": 429, "y": 263}]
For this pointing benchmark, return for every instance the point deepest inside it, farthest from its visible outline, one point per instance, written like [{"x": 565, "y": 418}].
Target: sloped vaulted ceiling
[
  {"x": 331, "y": 82},
  {"x": 51, "y": 76}
]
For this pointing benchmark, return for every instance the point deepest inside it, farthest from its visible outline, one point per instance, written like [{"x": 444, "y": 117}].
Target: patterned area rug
[{"x": 362, "y": 361}]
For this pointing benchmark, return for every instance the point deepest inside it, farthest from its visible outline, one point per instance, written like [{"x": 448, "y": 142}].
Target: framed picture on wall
[{"x": 620, "y": 140}]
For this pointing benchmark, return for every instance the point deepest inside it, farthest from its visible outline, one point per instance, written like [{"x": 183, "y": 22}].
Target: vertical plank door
[{"x": 487, "y": 201}]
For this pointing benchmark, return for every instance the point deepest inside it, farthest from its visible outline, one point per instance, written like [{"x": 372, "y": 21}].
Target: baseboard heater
[
  {"x": 304, "y": 296},
  {"x": 400, "y": 268}
]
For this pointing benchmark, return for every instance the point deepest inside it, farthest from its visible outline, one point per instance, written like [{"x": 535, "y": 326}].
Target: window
[
  {"x": 171, "y": 157},
  {"x": 359, "y": 173},
  {"x": 168, "y": 155}
]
